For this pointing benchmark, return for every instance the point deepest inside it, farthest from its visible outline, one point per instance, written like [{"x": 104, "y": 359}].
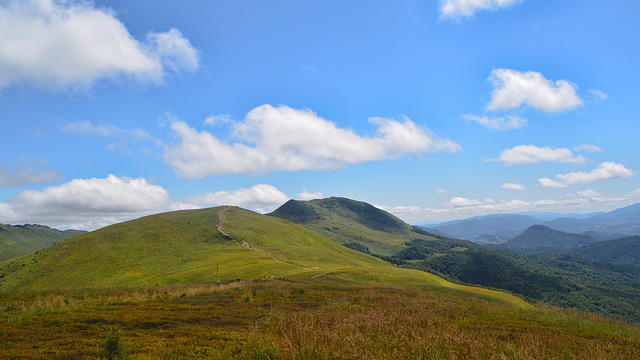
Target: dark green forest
[{"x": 559, "y": 279}]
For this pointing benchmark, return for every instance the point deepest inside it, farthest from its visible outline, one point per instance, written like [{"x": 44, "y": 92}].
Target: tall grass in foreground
[
  {"x": 312, "y": 319},
  {"x": 391, "y": 323}
]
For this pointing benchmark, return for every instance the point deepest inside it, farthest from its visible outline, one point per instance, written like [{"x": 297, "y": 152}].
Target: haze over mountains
[{"x": 502, "y": 227}]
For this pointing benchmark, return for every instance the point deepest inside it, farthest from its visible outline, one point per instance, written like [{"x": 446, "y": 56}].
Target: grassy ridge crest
[{"x": 186, "y": 247}]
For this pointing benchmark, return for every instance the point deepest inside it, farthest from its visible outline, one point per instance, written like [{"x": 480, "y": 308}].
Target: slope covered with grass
[
  {"x": 16, "y": 240},
  {"x": 189, "y": 246},
  {"x": 313, "y": 318},
  {"x": 352, "y": 223}
]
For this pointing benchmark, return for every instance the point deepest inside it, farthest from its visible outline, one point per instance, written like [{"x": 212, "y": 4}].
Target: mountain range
[
  {"x": 317, "y": 238},
  {"x": 499, "y": 228},
  {"x": 538, "y": 239}
]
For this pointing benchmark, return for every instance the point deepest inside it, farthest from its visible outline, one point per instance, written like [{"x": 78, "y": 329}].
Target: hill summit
[
  {"x": 538, "y": 238},
  {"x": 352, "y": 223}
]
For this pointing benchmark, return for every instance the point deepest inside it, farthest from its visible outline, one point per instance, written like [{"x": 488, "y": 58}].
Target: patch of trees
[{"x": 558, "y": 279}]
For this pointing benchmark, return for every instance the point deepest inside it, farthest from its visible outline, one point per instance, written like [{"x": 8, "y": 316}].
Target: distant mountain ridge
[
  {"x": 16, "y": 240},
  {"x": 538, "y": 239},
  {"x": 617, "y": 223}
]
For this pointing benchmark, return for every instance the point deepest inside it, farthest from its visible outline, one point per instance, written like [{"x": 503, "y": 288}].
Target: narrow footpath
[{"x": 223, "y": 220}]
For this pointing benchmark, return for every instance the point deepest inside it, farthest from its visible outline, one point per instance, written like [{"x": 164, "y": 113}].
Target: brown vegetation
[{"x": 279, "y": 319}]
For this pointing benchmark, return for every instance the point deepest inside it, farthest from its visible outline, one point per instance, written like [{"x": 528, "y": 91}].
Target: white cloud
[
  {"x": 27, "y": 171},
  {"x": 286, "y": 139},
  {"x": 589, "y": 193},
  {"x": 88, "y": 203},
  {"x": 513, "y": 186},
  {"x": 464, "y": 202},
  {"x": 528, "y": 154},
  {"x": 107, "y": 131},
  {"x": 466, "y": 8},
  {"x": 261, "y": 198},
  {"x": 216, "y": 119},
  {"x": 598, "y": 95},
  {"x": 546, "y": 182},
  {"x": 441, "y": 191},
  {"x": 604, "y": 171},
  {"x": 57, "y": 45},
  {"x": 582, "y": 201},
  {"x": 588, "y": 148},
  {"x": 497, "y": 123},
  {"x": 306, "y": 195},
  {"x": 173, "y": 50},
  {"x": 513, "y": 89}
]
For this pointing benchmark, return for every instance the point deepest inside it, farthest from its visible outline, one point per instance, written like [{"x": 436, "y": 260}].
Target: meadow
[{"x": 314, "y": 318}]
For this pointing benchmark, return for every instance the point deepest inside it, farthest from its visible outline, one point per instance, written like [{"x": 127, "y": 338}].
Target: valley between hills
[{"x": 322, "y": 279}]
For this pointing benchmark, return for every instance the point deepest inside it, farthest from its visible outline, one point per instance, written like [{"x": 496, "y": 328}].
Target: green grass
[
  {"x": 317, "y": 318},
  {"x": 22, "y": 239},
  {"x": 186, "y": 247},
  {"x": 347, "y": 221}
]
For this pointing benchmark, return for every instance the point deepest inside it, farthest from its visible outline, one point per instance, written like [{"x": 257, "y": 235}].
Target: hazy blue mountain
[
  {"x": 538, "y": 239},
  {"x": 504, "y": 226},
  {"x": 485, "y": 229},
  {"x": 623, "y": 215},
  {"x": 624, "y": 221}
]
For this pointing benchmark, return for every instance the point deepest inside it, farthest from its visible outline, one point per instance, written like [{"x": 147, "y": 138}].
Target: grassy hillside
[
  {"x": 16, "y": 240},
  {"x": 120, "y": 292},
  {"x": 313, "y": 318},
  {"x": 187, "y": 246},
  {"x": 559, "y": 280},
  {"x": 352, "y": 223}
]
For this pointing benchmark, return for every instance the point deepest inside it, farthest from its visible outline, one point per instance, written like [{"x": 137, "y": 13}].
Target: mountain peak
[{"x": 538, "y": 238}]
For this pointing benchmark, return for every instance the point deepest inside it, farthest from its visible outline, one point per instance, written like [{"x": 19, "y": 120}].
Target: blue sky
[{"x": 432, "y": 110}]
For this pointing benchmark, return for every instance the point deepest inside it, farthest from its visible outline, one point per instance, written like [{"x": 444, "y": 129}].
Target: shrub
[{"x": 113, "y": 346}]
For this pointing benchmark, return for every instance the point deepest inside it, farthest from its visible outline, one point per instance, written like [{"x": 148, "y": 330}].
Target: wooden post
[{"x": 217, "y": 278}]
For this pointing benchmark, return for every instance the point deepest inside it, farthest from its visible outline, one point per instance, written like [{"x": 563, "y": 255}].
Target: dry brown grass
[{"x": 279, "y": 319}]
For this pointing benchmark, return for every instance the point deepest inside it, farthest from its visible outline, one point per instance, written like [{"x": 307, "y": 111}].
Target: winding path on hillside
[{"x": 223, "y": 220}]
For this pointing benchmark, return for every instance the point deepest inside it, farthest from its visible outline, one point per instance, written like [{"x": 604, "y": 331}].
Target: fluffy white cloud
[
  {"x": 513, "y": 89},
  {"x": 28, "y": 171},
  {"x": 261, "y": 198},
  {"x": 527, "y": 154},
  {"x": 604, "y": 171},
  {"x": 513, "y": 186},
  {"x": 60, "y": 44},
  {"x": 88, "y": 203},
  {"x": 466, "y": 8},
  {"x": 464, "y": 202},
  {"x": 306, "y": 195},
  {"x": 281, "y": 138},
  {"x": 497, "y": 123}
]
